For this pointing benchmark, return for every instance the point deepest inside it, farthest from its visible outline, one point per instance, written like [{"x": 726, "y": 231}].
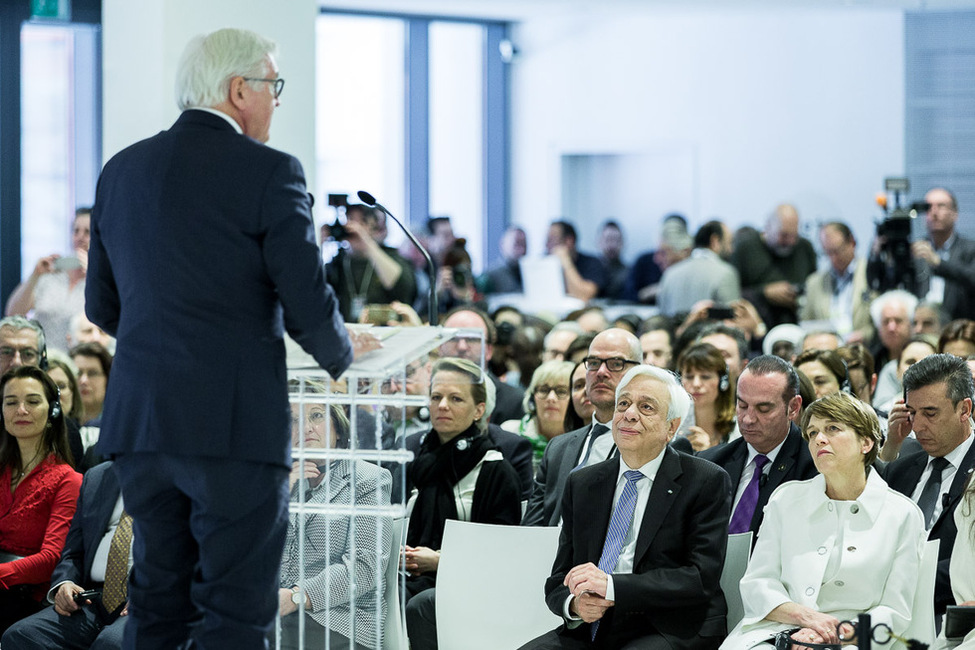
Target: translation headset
[
  {"x": 846, "y": 386},
  {"x": 723, "y": 382}
]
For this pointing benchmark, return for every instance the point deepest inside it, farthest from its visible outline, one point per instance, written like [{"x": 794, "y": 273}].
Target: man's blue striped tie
[{"x": 619, "y": 526}]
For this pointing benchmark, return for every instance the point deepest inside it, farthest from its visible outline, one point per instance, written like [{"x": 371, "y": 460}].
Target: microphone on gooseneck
[{"x": 370, "y": 200}]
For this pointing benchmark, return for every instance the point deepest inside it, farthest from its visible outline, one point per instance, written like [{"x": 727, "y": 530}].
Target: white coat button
[
  {"x": 851, "y": 548},
  {"x": 810, "y": 591},
  {"x": 830, "y": 507},
  {"x": 839, "y": 583},
  {"x": 822, "y": 550},
  {"x": 854, "y": 508}
]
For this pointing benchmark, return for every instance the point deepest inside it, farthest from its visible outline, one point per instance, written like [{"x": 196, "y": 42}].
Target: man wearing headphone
[{"x": 770, "y": 450}]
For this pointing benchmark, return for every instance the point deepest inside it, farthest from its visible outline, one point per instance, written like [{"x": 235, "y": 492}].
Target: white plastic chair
[
  {"x": 735, "y": 563},
  {"x": 922, "y": 613},
  {"x": 491, "y": 585},
  {"x": 394, "y": 628}
]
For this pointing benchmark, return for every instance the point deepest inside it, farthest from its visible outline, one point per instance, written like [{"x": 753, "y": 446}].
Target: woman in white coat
[
  {"x": 835, "y": 545},
  {"x": 962, "y": 568}
]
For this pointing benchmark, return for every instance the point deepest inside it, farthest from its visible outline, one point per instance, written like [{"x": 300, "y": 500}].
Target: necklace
[{"x": 27, "y": 467}]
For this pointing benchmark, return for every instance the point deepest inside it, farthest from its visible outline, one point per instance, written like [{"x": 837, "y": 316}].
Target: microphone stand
[{"x": 433, "y": 311}]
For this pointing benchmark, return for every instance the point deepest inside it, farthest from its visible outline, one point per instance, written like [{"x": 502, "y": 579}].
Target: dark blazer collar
[
  {"x": 787, "y": 457},
  {"x": 663, "y": 492},
  {"x": 195, "y": 117}
]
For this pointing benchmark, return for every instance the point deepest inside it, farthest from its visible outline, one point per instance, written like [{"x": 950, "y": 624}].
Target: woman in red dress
[{"x": 38, "y": 490}]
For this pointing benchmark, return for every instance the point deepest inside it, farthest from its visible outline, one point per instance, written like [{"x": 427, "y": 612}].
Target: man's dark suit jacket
[
  {"x": 959, "y": 274},
  {"x": 507, "y": 403},
  {"x": 559, "y": 459},
  {"x": 202, "y": 253},
  {"x": 674, "y": 589},
  {"x": 517, "y": 450},
  {"x": 793, "y": 463},
  {"x": 903, "y": 475},
  {"x": 96, "y": 502}
]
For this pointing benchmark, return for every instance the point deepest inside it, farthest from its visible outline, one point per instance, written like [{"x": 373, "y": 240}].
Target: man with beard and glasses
[{"x": 774, "y": 265}]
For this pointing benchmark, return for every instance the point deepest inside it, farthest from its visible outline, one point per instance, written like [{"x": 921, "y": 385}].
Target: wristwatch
[{"x": 297, "y": 597}]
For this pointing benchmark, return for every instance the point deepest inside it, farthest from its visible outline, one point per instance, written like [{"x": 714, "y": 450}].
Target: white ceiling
[{"x": 520, "y": 10}]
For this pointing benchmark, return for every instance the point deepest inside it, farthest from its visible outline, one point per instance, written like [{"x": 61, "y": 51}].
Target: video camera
[{"x": 893, "y": 266}]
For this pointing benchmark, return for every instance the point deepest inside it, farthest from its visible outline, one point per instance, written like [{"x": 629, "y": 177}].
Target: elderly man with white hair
[
  {"x": 643, "y": 534},
  {"x": 893, "y": 314}
]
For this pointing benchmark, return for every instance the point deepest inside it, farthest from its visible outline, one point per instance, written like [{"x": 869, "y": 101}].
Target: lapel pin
[
  {"x": 781, "y": 468},
  {"x": 670, "y": 491}
]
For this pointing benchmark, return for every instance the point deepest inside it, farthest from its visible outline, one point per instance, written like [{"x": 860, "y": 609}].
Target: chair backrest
[
  {"x": 921, "y": 626},
  {"x": 394, "y": 628},
  {"x": 497, "y": 569},
  {"x": 735, "y": 563}
]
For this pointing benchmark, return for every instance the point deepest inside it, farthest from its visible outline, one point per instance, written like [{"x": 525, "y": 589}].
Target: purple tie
[{"x": 741, "y": 521}]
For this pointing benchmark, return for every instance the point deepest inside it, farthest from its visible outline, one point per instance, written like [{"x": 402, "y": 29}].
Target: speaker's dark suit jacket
[
  {"x": 199, "y": 237},
  {"x": 903, "y": 475},
  {"x": 793, "y": 463},
  {"x": 560, "y": 458},
  {"x": 674, "y": 589},
  {"x": 96, "y": 502}
]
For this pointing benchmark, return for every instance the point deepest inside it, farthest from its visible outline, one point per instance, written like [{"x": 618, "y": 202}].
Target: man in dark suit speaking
[
  {"x": 202, "y": 254},
  {"x": 643, "y": 535}
]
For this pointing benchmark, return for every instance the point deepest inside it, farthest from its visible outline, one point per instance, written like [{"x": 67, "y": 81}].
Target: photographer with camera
[
  {"x": 366, "y": 272},
  {"x": 945, "y": 261}
]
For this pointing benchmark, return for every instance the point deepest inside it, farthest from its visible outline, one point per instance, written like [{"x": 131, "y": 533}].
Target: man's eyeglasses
[
  {"x": 542, "y": 391},
  {"x": 614, "y": 364},
  {"x": 278, "y": 84},
  {"x": 27, "y": 355}
]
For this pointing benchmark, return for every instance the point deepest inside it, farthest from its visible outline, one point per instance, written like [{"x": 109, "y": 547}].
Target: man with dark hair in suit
[
  {"x": 83, "y": 566},
  {"x": 611, "y": 354},
  {"x": 643, "y": 535},
  {"x": 771, "y": 450},
  {"x": 937, "y": 406},
  {"x": 202, "y": 253}
]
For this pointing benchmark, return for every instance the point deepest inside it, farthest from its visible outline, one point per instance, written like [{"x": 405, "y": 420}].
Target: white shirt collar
[
  {"x": 649, "y": 470},
  {"x": 214, "y": 111},
  {"x": 770, "y": 455},
  {"x": 956, "y": 455}
]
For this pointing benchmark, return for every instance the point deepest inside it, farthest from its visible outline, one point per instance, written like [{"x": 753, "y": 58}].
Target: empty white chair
[
  {"x": 394, "y": 628},
  {"x": 735, "y": 563},
  {"x": 922, "y": 614},
  {"x": 491, "y": 585}
]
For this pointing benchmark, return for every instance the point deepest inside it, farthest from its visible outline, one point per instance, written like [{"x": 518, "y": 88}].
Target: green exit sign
[{"x": 57, "y": 9}]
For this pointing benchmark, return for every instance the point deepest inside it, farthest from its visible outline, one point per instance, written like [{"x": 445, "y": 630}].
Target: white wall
[
  {"x": 805, "y": 106},
  {"x": 142, "y": 43}
]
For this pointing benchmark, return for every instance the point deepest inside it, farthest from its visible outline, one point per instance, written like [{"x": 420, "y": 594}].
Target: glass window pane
[
  {"x": 48, "y": 199},
  {"x": 456, "y": 130},
  {"x": 360, "y": 100}
]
